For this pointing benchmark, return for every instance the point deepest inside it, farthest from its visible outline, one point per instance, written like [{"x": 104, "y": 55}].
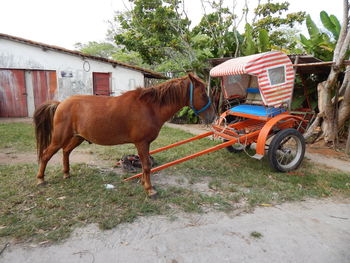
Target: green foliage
[
  {"x": 173, "y": 46},
  {"x": 264, "y": 40},
  {"x": 99, "y": 49},
  {"x": 270, "y": 18},
  {"x": 249, "y": 44},
  {"x": 331, "y": 23},
  {"x": 186, "y": 115},
  {"x": 144, "y": 30},
  {"x": 217, "y": 26},
  {"x": 311, "y": 27},
  {"x": 320, "y": 44},
  {"x": 129, "y": 57},
  {"x": 252, "y": 45}
]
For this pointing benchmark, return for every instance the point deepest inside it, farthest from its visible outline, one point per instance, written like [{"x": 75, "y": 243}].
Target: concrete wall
[{"x": 74, "y": 74}]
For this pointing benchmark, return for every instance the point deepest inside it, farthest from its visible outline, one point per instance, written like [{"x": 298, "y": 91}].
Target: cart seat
[{"x": 250, "y": 111}]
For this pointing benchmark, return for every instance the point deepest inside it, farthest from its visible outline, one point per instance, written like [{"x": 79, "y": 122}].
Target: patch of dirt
[
  {"x": 165, "y": 180},
  {"x": 24, "y": 120},
  {"x": 10, "y": 156},
  {"x": 321, "y": 148}
]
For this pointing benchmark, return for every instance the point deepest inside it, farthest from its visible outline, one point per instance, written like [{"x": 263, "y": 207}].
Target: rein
[{"x": 191, "y": 102}]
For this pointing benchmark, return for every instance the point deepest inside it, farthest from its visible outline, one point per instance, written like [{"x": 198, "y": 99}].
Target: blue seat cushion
[
  {"x": 257, "y": 110},
  {"x": 253, "y": 90}
]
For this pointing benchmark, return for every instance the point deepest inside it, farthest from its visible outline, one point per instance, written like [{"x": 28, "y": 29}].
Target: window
[{"x": 277, "y": 75}]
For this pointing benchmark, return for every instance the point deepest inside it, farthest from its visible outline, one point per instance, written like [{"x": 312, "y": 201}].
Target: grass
[
  {"x": 19, "y": 136},
  {"x": 256, "y": 234},
  {"x": 51, "y": 212}
]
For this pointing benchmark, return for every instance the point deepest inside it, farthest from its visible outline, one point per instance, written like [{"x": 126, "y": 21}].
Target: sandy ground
[{"x": 310, "y": 231}]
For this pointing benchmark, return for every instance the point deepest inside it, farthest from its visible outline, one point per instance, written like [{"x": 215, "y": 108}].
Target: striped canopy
[{"x": 273, "y": 69}]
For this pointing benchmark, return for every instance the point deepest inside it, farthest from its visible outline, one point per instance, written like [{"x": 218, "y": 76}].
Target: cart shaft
[
  {"x": 161, "y": 167},
  {"x": 182, "y": 142}
]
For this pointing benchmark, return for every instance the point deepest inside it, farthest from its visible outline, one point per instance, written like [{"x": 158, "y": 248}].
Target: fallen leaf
[{"x": 29, "y": 208}]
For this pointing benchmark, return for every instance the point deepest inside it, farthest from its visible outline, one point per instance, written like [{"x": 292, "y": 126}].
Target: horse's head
[{"x": 199, "y": 101}]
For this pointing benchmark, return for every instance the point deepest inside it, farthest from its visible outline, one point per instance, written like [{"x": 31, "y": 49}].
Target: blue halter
[{"x": 191, "y": 102}]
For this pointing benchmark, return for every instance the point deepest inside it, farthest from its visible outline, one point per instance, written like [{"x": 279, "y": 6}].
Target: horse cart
[{"x": 258, "y": 90}]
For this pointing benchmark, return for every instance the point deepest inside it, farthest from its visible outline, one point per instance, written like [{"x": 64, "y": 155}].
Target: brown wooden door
[
  {"x": 44, "y": 86},
  {"x": 13, "y": 96},
  {"x": 101, "y": 83}
]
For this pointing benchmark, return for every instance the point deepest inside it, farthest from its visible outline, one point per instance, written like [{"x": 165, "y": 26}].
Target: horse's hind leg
[
  {"x": 73, "y": 143},
  {"x": 46, "y": 156},
  {"x": 143, "y": 151}
]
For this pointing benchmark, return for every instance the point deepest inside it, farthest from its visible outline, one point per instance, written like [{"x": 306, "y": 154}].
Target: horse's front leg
[{"x": 143, "y": 151}]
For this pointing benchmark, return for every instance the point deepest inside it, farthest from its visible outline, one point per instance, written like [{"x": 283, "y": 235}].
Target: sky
[{"x": 66, "y": 22}]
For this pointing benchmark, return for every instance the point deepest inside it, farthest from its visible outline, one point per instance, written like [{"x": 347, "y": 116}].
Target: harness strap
[{"x": 191, "y": 101}]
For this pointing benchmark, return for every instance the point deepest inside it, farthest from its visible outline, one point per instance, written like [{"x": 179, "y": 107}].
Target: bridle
[{"x": 191, "y": 101}]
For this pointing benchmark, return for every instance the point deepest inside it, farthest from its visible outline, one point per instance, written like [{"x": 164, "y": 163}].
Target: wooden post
[{"x": 295, "y": 71}]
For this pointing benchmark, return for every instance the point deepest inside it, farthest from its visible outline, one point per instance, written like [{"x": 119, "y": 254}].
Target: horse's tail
[{"x": 43, "y": 120}]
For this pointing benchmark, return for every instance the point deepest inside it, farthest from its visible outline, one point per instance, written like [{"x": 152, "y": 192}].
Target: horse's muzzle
[{"x": 209, "y": 117}]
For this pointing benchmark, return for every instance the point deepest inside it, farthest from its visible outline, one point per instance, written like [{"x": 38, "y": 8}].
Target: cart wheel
[
  {"x": 286, "y": 150},
  {"x": 236, "y": 148}
]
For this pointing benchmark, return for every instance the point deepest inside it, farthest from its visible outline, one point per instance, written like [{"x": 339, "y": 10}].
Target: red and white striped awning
[{"x": 273, "y": 94}]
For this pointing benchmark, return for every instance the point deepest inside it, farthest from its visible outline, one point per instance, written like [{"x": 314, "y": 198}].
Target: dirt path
[
  {"x": 13, "y": 157},
  {"x": 311, "y": 231}
]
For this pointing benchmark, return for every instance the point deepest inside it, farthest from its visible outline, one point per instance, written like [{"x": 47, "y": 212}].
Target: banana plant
[
  {"x": 320, "y": 44},
  {"x": 331, "y": 23}
]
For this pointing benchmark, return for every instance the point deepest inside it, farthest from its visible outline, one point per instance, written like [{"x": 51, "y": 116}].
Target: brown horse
[{"x": 133, "y": 117}]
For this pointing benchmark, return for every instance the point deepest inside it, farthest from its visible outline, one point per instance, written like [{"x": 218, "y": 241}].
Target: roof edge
[{"x": 146, "y": 72}]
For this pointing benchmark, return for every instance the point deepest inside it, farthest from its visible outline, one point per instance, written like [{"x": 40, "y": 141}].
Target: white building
[{"x": 32, "y": 73}]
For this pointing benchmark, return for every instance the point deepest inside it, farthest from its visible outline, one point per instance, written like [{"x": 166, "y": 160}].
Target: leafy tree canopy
[
  {"x": 271, "y": 17},
  {"x": 99, "y": 49},
  {"x": 153, "y": 28}
]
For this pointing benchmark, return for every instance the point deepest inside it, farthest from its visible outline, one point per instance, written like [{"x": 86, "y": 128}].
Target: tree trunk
[
  {"x": 326, "y": 109},
  {"x": 347, "y": 147},
  {"x": 344, "y": 107}
]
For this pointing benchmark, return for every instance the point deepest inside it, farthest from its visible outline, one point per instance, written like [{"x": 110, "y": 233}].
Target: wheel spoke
[{"x": 287, "y": 154}]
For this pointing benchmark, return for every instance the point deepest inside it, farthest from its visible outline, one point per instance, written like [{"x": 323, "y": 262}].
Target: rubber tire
[{"x": 277, "y": 139}]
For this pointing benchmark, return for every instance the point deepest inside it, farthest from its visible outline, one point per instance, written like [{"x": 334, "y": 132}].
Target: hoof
[
  {"x": 152, "y": 194},
  {"x": 41, "y": 182},
  {"x": 66, "y": 176}
]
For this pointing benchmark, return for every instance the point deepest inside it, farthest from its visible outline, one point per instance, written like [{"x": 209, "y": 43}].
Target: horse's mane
[{"x": 169, "y": 92}]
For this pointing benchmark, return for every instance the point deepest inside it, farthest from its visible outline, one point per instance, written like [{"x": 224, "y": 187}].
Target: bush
[{"x": 185, "y": 115}]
